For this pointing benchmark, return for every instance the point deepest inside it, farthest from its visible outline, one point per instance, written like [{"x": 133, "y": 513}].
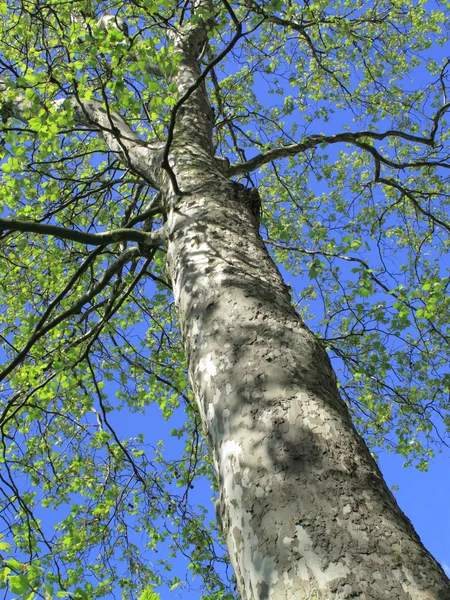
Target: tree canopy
[{"x": 337, "y": 112}]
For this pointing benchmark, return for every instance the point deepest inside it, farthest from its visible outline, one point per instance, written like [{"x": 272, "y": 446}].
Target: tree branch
[
  {"x": 126, "y": 256},
  {"x": 143, "y": 158},
  {"x": 367, "y": 270},
  {"x": 152, "y": 209},
  {"x": 353, "y": 138},
  {"x": 148, "y": 239},
  {"x": 411, "y": 197}
]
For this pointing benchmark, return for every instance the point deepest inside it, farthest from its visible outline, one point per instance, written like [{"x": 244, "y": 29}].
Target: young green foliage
[{"x": 337, "y": 112}]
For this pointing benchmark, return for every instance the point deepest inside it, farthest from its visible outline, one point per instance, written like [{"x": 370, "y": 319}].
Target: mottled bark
[{"x": 303, "y": 505}]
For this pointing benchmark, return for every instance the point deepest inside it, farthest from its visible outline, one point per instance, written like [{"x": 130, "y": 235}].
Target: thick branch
[
  {"x": 148, "y": 239},
  {"x": 316, "y": 140},
  {"x": 143, "y": 158}
]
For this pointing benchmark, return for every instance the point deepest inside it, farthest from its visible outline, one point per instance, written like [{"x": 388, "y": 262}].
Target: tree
[{"x": 150, "y": 135}]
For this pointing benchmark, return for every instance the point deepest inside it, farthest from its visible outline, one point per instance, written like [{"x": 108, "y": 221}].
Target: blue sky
[{"x": 425, "y": 499}]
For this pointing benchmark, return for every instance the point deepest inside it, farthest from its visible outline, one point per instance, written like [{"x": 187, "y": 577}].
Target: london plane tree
[{"x": 159, "y": 158}]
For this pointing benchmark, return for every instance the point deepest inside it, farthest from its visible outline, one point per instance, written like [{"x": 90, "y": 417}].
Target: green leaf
[
  {"x": 149, "y": 594},
  {"x": 19, "y": 584}
]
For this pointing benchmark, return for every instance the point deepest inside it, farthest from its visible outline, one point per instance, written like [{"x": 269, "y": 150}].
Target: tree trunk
[{"x": 303, "y": 505}]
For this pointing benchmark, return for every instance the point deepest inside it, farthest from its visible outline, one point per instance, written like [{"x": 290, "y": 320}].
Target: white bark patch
[
  {"x": 216, "y": 397},
  {"x": 260, "y": 568},
  {"x": 264, "y": 571},
  {"x": 220, "y": 273},
  {"x": 267, "y": 420},
  {"x": 228, "y": 467},
  {"x": 208, "y": 368},
  {"x": 195, "y": 328},
  {"x": 200, "y": 254},
  {"x": 287, "y": 581},
  {"x": 219, "y": 428},
  {"x": 347, "y": 509},
  {"x": 357, "y": 534}
]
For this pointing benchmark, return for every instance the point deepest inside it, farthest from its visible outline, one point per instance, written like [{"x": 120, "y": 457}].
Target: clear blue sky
[{"x": 425, "y": 499}]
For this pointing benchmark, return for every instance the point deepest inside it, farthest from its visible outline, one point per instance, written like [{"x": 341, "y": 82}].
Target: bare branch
[
  {"x": 152, "y": 209},
  {"x": 81, "y": 269},
  {"x": 148, "y": 239},
  {"x": 412, "y": 198},
  {"x": 367, "y": 269},
  {"x": 313, "y": 141}
]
